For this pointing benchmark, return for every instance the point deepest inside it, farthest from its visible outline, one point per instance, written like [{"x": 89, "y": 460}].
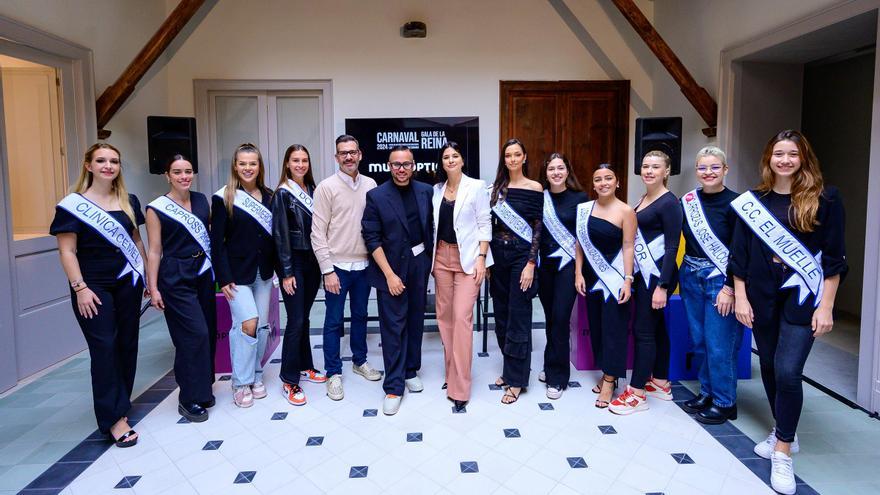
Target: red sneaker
[
  {"x": 657, "y": 391},
  {"x": 295, "y": 395},
  {"x": 628, "y": 402},
  {"x": 313, "y": 376}
]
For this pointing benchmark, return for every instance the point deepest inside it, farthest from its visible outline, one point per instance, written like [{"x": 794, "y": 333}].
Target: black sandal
[
  {"x": 597, "y": 388},
  {"x": 123, "y": 442},
  {"x": 508, "y": 393},
  {"x": 603, "y": 404},
  {"x": 503, "y": 384}
]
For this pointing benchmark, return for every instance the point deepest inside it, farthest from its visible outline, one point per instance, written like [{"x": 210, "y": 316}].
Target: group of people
[{"x": 770, "y": 259}]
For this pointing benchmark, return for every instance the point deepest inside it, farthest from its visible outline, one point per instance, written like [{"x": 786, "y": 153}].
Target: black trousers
[
  {"x": 190, "y": 311},
  {"x": 609, "y": 322},
  {"x": 296, "y": 348},
  {"x": 401, "y": 324},
  {"x": 557, "y": 294},
  {"x": 652, "y": 340},
  {"x": 112, "y": 337},
  {"x": 513, "y": 309}
]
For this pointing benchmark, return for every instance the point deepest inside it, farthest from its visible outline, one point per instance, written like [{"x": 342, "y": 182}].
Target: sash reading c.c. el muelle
[
  {"x": 104, "y": 224},
  {"x": 303, "y": 197},
  {"x": 610, "y": 274},
  {"x": 711, "y": 245},
  {"x": 196, "y": 228},
  {"x": 246, "y": 203},
  {"x": 647, "y": 254},
  {"x": 513, "y": 220},
  {"x": 560, "y": 234},
  {"x": 808, "y": 276}
]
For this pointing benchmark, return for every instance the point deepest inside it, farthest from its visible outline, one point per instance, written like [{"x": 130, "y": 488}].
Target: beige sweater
[{"x": 336, "y": 221}]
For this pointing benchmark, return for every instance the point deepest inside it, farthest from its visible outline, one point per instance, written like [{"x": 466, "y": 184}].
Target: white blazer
[{"x": 471, "y": 219}]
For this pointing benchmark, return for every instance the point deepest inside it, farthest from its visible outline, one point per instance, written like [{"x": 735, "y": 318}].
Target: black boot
[
  {"x": 193, "y": 412},
  {"x": 459, "y": 404},
  {"x": 209, "y": 403},
  {"x": 715, "y": 415},
  {"x": 697, "y": 404}
]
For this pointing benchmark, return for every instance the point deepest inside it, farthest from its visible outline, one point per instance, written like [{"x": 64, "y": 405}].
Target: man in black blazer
[{"x": 398, "y": 231}]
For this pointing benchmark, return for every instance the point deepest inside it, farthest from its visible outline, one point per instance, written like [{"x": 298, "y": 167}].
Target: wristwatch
[
  {"x": 629, "y": 277},
  {"x": 76, "y": 284}
]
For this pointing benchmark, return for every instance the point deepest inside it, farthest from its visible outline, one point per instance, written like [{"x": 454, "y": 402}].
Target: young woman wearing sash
[
  {"x": 787, "y": 257},
  {"x": 517, "y": 203},
  {"x": 103, "y": 256},
  {"x": 244, "y": 255},
  {"x": 297, "y": 268},
  {"x": 461, "y": 255},
  {"x": 562, "y": 195},
  {"x": 656, "y": 246},
  {"x": 182, "y": 285},
  {"x": 606, "y": 229},
  {"x": 707, "y": 287}
]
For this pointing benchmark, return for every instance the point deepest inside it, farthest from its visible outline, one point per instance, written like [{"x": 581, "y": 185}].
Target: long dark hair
[
  {"x": 571, "y": 181},
  {"x": 309, "y": 179},
  {"x": 502, "y": 177},
  {"x": 441, "y": 172}
]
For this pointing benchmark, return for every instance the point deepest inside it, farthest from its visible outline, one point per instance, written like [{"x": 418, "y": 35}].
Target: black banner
[{"x": 424, "y": 135}]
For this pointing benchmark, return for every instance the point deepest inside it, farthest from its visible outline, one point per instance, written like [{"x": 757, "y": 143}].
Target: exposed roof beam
[
  {"x": 701, "y": 100},
  {"x": 115, "y": 95}
]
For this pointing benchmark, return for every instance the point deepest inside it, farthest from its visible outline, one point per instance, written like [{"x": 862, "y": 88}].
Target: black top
[
  {"x": 530, "y": 206},
  {"x": 240, "y": 246},
  {"x": 445, "y": 228},
  {"x": 607, "y": 238},
  {"x": 721, "y": 219},
  {"x": 752, "y": 260},
  {"x": 663, "y": 217},
  {"x": 291, "y": 230},
  {"x": 414, "y": 225},
  {"x": 177, "y": 242},
  {"x": 98, "y": 259},
  {"x": 565, "y": 203}
]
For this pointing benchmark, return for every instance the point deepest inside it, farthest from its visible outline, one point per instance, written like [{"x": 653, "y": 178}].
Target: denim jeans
[
  {"x": 251, "y": 301},
  {"x": 716, "y": 338},
  {"x": 354, "y": 283}
]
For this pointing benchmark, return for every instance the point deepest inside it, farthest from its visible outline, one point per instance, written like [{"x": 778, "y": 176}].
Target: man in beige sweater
[{"x": 343, "y": 258}]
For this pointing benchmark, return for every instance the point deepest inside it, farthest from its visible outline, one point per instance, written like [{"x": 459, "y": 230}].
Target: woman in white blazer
[{"x": 463, "y": 230}]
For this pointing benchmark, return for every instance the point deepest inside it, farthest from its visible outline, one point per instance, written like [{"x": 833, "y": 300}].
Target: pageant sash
[
  {"x": 246, "y": 203},
  {"x": 104, "y": 224},
  {"x": 513, "y": 220},
  {"x": 196, "y": 228},
  {"x": 808, "y": 276},
  {"x": 715, "y": 250},
  {"x": 647, "y": 254},
  {"x": 610, "y": 275},
  {"x": 560, "y": 234},
  {"x": 298, "y": 193}
]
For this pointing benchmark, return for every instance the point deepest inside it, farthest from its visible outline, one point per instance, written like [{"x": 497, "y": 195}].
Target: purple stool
[{"x": 222, "y": 359}]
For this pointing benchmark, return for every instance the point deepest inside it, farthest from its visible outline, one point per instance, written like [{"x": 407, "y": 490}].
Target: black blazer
[
  {"x": 384, "y": 225},
  {"x": 291, "y": 229},
  {"x": 239, "y": 245}
]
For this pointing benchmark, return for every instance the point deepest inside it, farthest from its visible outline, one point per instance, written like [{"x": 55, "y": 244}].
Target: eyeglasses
[
  {"x": 400, "y": 165},
  {"x": 343, "y": 154},
  {"x": 714, "y": 168}
]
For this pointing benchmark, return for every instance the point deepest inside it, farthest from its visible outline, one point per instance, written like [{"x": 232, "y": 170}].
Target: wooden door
[{"x": 588, "y": 121}]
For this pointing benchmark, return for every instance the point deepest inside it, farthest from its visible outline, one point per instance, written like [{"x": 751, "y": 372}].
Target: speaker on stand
[
  {"x": 169, "y": 136},
  {"x": 658, "y": 134}
]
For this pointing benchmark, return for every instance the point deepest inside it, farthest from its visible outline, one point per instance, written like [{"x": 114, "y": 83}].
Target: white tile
[
  {"x": 527, "y": 481},
  {"x": 412, "y": 483},
  {"x": 550, "y": 464},
  {"x": 697, "y": 475},
  {"x": 498, "y": 466},
  {"x": 587, "y": 481},
  {"x": 276, "y": 475},
  {"x": 472, "y": 483},
  {"x": 179, "y": 489},
  {"x": 359, "y": 486},
  {"x": 253, "y": 460},
  {"x": 647, "y": 478},
  {"x": 160, "y": 480},
  {"x": 88, "y": 483},
  {"x": 199, "y": 462},
  {"x": 328, "y": 474}
]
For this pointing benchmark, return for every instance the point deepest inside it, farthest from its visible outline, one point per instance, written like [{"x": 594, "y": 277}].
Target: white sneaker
[
  {"x": 334, "y": 387},
  {"x": 259, "y": 390},
  {"x": 628, "y": 402},
  {"x": 391, "y": 404},
  {"x": 554, "y": 393},
  {"x": 542, "y": 377},
  {"x": 782, "y": 473},
  {"x": 414, "y": 384},
  {"x": 367, "y": 371},
  {"x": 765, "y": 449},
  {"x": 242, "y": 396}
]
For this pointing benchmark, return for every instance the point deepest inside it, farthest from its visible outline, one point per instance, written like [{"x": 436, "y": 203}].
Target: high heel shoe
[{"x": 603, "y": 404}]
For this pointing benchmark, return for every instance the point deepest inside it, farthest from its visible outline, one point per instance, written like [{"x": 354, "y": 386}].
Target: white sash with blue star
[
  {"x": 560, "y": 234},
  {"x": 610, "y": 274}
]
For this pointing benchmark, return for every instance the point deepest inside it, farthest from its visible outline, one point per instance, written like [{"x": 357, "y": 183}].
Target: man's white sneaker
[
  {"x": 366, "y": 371},
  {"x": 391, "y": 404},
  {"x": 765, "y": 449},
  {"x": 414, "y": 384},
  {"x": 542, "y": 377},
  {"x": 334, "y": 387},
  {"x": 782, "y": 473},
  {"x": 554, "y": 393}
]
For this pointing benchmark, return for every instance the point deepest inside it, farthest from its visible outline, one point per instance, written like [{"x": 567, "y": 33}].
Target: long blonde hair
[
  {"x": 233, "y": 183},
  {"x": 806, "y": 186},
  {"x": 84, "y": 181}
]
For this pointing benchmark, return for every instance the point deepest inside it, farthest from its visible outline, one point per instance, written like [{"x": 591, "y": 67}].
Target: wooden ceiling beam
[
  {"x": 701, "y": 100},
  {"x": 112, "y": 99}
]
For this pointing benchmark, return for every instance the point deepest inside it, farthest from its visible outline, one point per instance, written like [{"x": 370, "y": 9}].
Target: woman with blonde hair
[
  {"x": 788, "y": 258},
  {"x": 103, "y": 256},
  {"x": 244, "y": 254}
]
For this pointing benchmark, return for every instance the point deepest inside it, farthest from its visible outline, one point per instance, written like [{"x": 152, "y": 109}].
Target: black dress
[{"x": 111, "y": 335}]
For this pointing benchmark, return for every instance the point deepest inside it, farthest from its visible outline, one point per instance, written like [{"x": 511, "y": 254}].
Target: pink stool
[
  {"x": 581, "y": 350},
  {"x": 222, "y": 359}
]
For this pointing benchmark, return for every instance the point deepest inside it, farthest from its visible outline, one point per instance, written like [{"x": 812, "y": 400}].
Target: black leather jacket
[{"x": 291, "y": 229}]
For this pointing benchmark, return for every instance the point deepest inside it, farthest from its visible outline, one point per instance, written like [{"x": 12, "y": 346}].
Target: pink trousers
[{"x": 456, "y": 294}]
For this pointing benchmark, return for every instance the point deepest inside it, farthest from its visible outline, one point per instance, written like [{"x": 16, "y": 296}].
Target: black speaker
[
  {"x": 658, "y": 134},
  {"x": 169, "y": 136}
]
